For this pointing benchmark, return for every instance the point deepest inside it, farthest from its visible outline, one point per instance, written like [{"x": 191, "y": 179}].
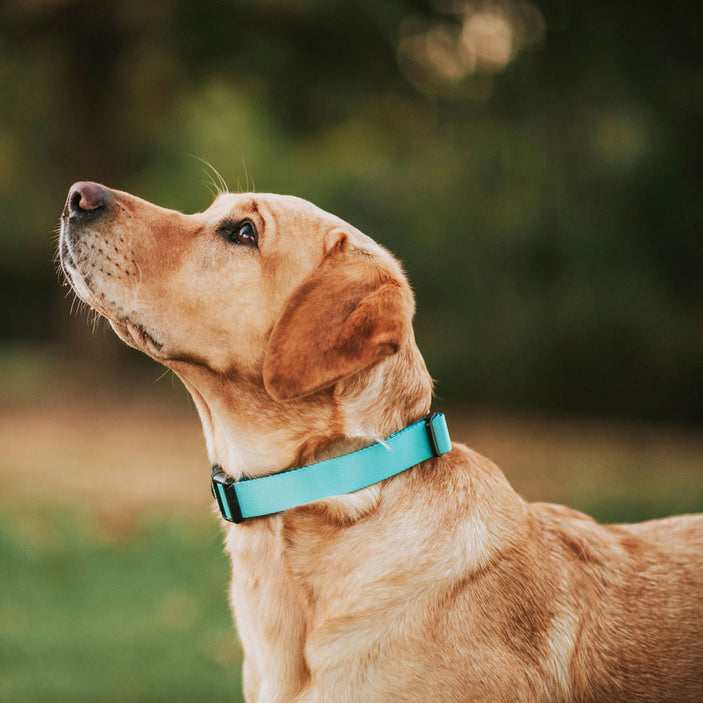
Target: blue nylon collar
[{"x": 239, "y": 500}]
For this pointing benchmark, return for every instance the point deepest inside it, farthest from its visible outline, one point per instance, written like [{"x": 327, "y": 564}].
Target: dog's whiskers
[{"x": 161, "y": 376}]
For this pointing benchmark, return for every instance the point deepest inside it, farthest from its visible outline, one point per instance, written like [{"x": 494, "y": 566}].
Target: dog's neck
[{"x": 250, "y": 434}]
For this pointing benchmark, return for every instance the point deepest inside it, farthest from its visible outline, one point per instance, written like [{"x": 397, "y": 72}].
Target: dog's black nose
[{"x": 86, "y": 197}]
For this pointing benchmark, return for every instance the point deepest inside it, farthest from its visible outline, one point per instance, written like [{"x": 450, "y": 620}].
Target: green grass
[
  {"x": 131, "y": 604},
  {"x": 87, "y": 617},
  {"x": 90, "y": 616}
]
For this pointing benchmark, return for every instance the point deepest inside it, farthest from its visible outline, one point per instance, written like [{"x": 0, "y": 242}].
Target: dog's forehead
[{"x": 270, "y": 205}]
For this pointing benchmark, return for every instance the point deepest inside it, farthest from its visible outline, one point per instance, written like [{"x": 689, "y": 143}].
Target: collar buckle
[
  {"x": 437, "y": 433},
  {"x": 429, "y": 427},
  {"x": 223, "y": 490}
]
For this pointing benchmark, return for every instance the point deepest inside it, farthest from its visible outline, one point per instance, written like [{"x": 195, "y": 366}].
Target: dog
[{"x": 292, "y": 330}]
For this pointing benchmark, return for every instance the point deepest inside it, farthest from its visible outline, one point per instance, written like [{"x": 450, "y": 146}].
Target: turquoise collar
[{"x": 239, "y": 500}]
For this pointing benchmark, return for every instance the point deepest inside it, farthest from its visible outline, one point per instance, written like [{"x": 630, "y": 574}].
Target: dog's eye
[{"x": 244, "y": 233}]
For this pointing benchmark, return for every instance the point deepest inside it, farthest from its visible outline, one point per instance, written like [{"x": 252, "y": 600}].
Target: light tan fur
[{"x": 439, "y": 584}]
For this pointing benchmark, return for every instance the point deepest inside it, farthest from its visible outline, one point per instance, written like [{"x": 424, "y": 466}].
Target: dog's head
[{"x": 266, "y": 289}]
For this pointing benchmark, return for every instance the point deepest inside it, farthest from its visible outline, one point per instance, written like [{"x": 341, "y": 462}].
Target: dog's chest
[
  {"x": 269, "y": 609},
  {"x": 312, "y": 605}
]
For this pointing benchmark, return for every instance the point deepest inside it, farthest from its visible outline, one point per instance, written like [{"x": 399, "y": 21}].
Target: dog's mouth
[
  {"x": 66, "y": 258},
  {"x": 79, "y": 282},
  {"x": 132, "y": 333}
]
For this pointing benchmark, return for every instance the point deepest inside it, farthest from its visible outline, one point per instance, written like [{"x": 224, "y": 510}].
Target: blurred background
[{"x": 536, "y": 164}]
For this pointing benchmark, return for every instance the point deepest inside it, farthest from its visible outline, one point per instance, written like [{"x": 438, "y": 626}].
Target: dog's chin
[{"x": 136, "y": 336}]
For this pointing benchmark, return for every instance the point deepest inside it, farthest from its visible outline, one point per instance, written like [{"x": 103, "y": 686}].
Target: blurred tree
[{"x": 537, "y": 166}]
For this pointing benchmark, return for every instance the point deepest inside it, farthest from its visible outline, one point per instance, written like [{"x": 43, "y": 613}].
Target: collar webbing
[{"x": 239, "y": 500}]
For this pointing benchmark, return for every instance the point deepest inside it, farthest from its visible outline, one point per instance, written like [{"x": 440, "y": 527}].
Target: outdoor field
[
  {"x": 535, "y": 166},
  {"x": 112, "y": 575}
]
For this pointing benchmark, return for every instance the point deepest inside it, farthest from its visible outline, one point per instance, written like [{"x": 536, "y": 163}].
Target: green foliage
[
  {"x": 89, "y": 615},
  {"x": 548, "y": 215},
  {"x": 645, "y": 498}
]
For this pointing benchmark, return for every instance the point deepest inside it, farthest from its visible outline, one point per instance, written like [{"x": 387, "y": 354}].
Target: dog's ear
[{"x": 348, "y": 314}]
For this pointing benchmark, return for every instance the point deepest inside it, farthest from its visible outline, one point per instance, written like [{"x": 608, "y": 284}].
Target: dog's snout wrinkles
[{"x": 86, "y": 197}]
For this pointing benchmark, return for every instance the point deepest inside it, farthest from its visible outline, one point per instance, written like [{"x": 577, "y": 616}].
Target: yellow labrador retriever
[{"x": 292, "y": 331}]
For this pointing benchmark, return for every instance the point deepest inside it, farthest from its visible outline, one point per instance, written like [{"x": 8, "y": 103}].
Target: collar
[{"x": 239, "y": 500}]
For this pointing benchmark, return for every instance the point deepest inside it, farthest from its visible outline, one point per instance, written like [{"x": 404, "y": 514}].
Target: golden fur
[{"x": 439, "y": 584}]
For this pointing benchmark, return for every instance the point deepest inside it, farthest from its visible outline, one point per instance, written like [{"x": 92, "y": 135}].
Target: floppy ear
[{"x": 347, "y": 315}]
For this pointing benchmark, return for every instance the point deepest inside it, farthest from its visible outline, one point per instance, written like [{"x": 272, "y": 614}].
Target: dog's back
[{"x": 638, "y": 590}]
